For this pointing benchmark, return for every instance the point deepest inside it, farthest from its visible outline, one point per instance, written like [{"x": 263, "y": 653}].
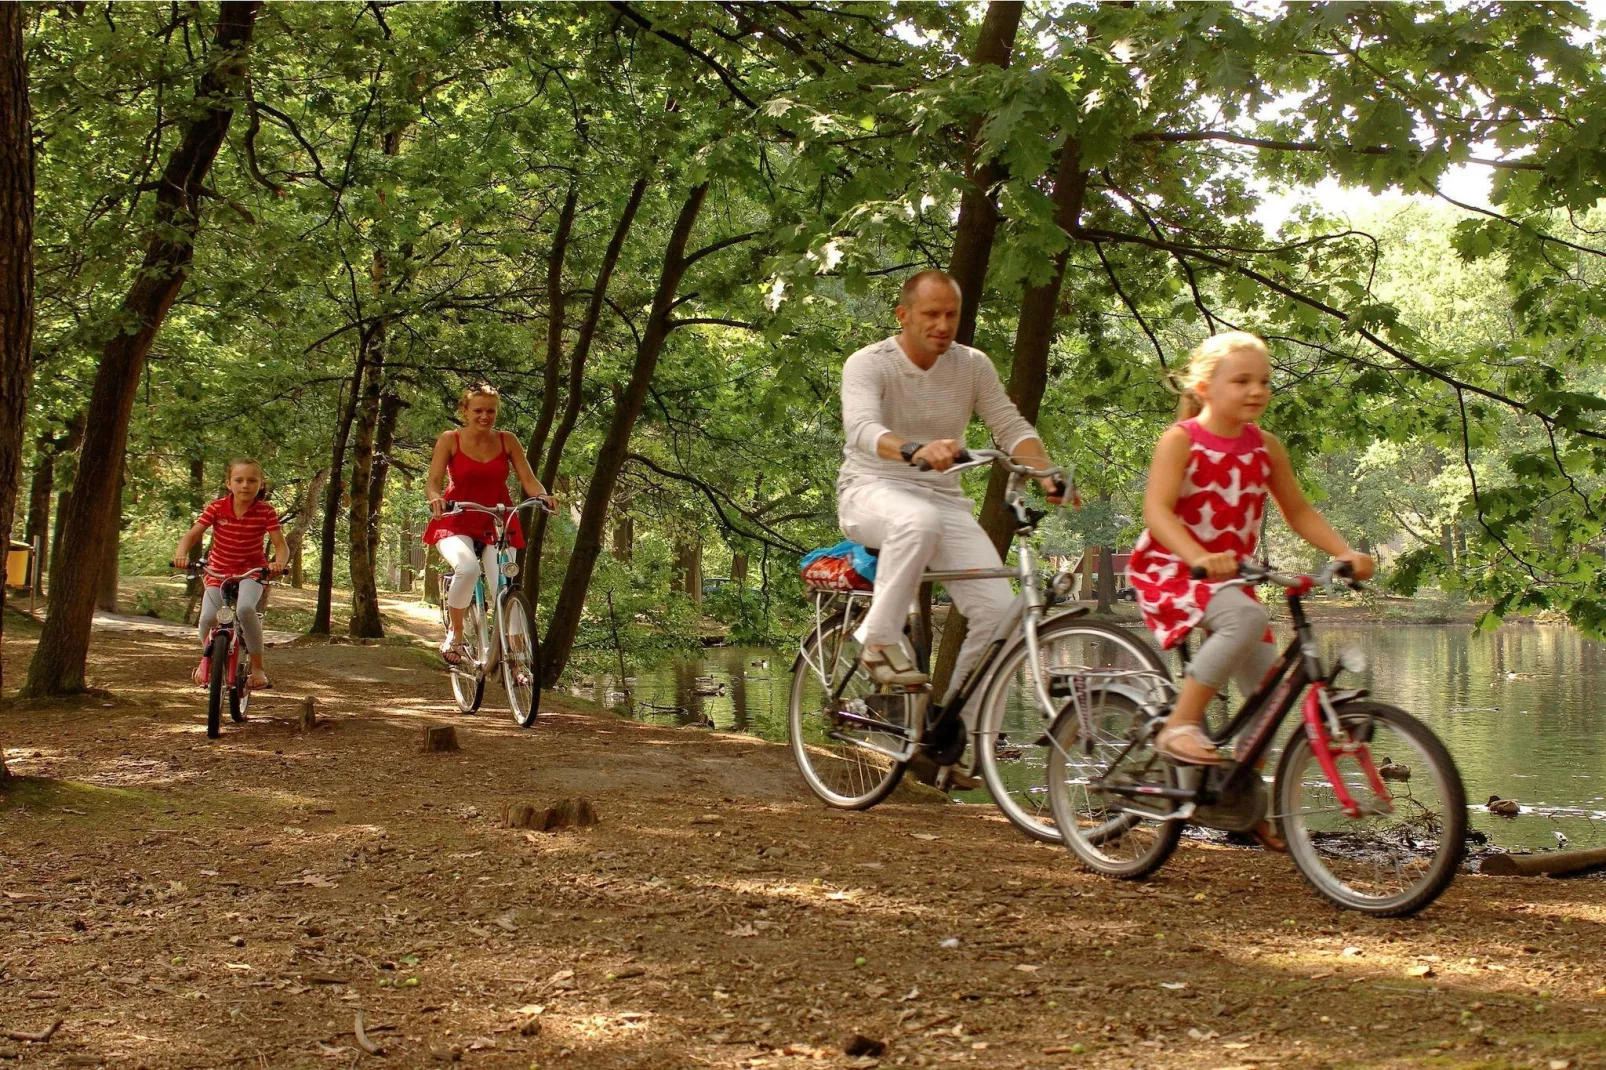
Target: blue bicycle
[{"x": 499, "y": 633}]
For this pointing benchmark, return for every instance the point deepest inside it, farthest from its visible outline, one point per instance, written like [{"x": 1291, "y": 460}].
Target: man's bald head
[{"x": 911, "y": 287}]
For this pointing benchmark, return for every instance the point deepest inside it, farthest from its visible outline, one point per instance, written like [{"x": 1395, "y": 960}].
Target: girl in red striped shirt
[{"x": 239, "y": 521}]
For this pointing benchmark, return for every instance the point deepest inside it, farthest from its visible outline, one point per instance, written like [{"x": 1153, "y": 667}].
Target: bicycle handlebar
[
  {"x": 1249, "y": 572},
  {"x": 498, "y": 511},
  {"x": 199, "y": 566},
  {"x": 969, "y": 458}
]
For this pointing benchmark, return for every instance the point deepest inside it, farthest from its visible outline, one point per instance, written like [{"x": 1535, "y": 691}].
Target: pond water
[{"x": 1520, "y": 709}]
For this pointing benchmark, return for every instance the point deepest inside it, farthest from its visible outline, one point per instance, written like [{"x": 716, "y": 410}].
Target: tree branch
[{"x": 1174, "y": 137}]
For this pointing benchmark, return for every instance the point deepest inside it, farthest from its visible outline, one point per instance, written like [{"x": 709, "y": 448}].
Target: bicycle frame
[
  {"x": 1298, "y": 674},
  {"x": 499, "y": 515}
]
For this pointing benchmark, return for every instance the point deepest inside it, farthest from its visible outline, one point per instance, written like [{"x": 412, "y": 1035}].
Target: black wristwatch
[{"x": 908, "y": 450}]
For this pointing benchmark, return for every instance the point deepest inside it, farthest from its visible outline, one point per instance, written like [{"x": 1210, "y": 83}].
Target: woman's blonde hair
[
  {"x": 475, "y": 390},
  {"x": 1202, "y": 363},
  {"x": 228, "y": 474}
]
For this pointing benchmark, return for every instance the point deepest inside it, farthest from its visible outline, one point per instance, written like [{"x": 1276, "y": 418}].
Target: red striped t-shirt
[{"x": 237, "y": 540}]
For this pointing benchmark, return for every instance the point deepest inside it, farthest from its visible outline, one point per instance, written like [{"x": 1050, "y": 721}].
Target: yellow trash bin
[{"x": 19, "y": 561}]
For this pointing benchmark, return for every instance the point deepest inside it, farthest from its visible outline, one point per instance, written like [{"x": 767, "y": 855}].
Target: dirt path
[{"x": 180, "y": 903}]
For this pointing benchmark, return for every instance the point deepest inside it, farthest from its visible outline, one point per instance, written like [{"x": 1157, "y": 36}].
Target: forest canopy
[{"x": 297, "y": 231}]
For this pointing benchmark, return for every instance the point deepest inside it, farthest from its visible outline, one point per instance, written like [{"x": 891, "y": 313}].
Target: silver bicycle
[
  {"x": 853, "y": 740},
  {"x": 498, "y": 630}
]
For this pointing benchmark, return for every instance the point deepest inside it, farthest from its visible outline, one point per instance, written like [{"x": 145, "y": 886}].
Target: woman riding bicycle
[
  {"x": 239, "y": 521},
  {"x": 474, "y": 464}
]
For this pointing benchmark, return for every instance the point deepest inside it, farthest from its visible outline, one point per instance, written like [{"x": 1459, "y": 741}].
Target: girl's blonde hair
[
  {"x": 476, "y": 390},
  {"x": 228, "y": 474},
  {"x": 1202, "y": 363}
]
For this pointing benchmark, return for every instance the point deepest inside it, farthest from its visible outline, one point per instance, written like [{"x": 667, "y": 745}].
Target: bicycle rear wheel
[
  {"x": 844, "y": 763},
  {"x": 219, "y": 670},
  {"x": 520, "y": 660},
  {"x": 1402, "y": 852},
  {"x": 1116, "y": 835},
  {"x": 468, "y": 682},
  {"x": 1012, "y": 743}
]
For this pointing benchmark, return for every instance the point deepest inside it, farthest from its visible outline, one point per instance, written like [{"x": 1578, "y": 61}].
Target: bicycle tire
[
  {"x": 1090, "y": 830},
  {"x": 1431, "y": 803},
  {"x": 1014, "y": 768},
  {"x": 521, "y": 659},
  {"x": 847, "y": 777},
  {"x": 218, "y": 672},
  {"x": 240, "y": 688},
  {"x": 468, "y": 682}
]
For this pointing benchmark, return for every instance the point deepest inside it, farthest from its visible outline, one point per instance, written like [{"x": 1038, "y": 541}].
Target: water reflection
[{"x": 1520, "y": 708}]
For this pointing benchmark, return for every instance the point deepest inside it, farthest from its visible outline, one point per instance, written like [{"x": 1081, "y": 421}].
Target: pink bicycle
[{"x": 1367, "y": 797}]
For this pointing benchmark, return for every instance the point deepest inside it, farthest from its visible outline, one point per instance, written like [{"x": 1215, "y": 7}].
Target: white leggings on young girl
[{"x": 466, "y": 569}]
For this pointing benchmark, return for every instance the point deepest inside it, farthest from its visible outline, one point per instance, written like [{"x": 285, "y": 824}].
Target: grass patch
[{"x": 25, "y": 797}]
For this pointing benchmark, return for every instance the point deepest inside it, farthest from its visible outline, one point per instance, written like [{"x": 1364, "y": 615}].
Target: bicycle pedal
[{"x": 1184, "y": 812}]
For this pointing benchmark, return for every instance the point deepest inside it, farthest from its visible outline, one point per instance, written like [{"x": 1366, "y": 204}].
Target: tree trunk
[
  {"x": 365, "y": 622},
  {"x": 530, "y": 556},
  {"x": 110, "y": 544},
  {"x": 390, "y": 408},
  {"x": 611, "y": 457},
  {"x": 335, "y": 491},
  {"x": 50, "y": 450},
  {"x": 689, "y": 563},
  {"x": 978, "y": 210},
  {"x": 297, "y": 539},
  {"x": 1106, "y": 590},
  {"x": 624, "y": 536},
  {"x": 739, "y": 571},
  {"x": 555, "y": 302},
  {"x": 16, "y": 269},
  {"x": 1028, "y": 378}
]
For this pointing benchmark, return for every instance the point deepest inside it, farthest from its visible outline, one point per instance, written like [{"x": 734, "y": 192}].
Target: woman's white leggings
[{"x": 458, "y": 550}]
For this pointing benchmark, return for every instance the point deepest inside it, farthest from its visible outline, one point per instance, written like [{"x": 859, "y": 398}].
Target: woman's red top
[{"x": 482, "y": 482}]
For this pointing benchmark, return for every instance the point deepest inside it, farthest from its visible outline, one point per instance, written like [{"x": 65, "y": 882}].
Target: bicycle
[
  {"x": 516, "y": 649},
  {"x": 853, "y": 740},
  {"x": 1357, "y": 844},
  {"x": 227, "y": 672}
]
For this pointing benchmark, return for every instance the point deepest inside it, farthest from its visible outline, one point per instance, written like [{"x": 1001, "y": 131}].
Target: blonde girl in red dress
[
  {"x": 474, "y": 464},
  {"x": 1208, "y": 483}
]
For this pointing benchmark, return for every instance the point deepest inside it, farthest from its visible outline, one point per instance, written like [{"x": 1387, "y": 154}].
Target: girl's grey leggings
[
  {"x": 249, "y": 616},
  {"x": 1236, "y": 648}
]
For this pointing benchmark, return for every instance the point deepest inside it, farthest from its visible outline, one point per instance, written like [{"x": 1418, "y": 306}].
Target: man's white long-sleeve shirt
[{"x": 884, "y": 391}]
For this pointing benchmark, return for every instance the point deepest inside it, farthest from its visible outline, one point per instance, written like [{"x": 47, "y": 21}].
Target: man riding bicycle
[{"x": 906, "y": 402}]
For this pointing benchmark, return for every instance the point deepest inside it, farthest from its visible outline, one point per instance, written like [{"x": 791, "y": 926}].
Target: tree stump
[
  {"x": 441, "y": 737},
  {"x": 309, "y": 714},
  {"x": 565, "y": 813}
]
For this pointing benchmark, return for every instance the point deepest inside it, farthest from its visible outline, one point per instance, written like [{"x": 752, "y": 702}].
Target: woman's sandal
[
  {"x": 1200, "y": 750},
  {"x": 452, "y": 651},
  {"x": 202, "y": 671},
  {"x": 890, "y": 666}
]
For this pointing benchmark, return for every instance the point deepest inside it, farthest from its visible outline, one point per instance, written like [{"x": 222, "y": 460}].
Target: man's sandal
[
  {"x": 890, "y": 666},
  {"x": 1187, "y": 744}
]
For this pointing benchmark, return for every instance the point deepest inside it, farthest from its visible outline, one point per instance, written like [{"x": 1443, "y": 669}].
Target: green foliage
[{"x": 1439, "y": 370}]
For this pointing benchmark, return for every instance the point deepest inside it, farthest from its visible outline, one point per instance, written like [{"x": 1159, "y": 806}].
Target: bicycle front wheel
[
  {"x": 1012, "y": 743},
  {"x": 1110, "y": 833},
  {"x": 468, "y": 681},
  {"x": 217, "y": 684},
  {"x": 520, "y": 660},
  {"x": 846, "y": 764},
  {"x": 240, "y": 686},
  {"x": 1404, "y": 848}
]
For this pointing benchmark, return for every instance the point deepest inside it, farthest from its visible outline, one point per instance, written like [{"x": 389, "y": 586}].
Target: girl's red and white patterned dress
[{"x": 1222, "y": 499}]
